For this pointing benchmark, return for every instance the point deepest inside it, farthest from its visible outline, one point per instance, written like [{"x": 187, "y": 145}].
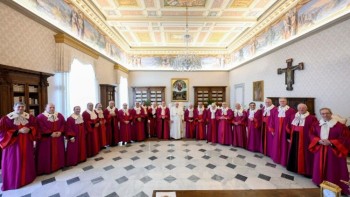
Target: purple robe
[
  {"x": 212, "y": 127},
  {"x": 50, "y": 150},
  {"x": 190, "y": 124},
  {"x": 152, "y": 117},
  {"x": 300, "y": 159},
  {"x": 267, "y": 137},
  {"x": 112, "y": 128},
  {"x": 200, "y": 119},
  {"x": 224, "y": 127},
  {"x": 163, "y": 123},
  {"x": 254, "y": 132},
  {"x": 239, "y": 130},
  {"x": 92, "y": 136},
  {"x": 138, "y": 128},
  {"x": 76, "y": 151},
  {"x": 279, "y": 127},
  {"x": 125, "y": 128},
  {"x": 330, "y": 161},
  {"x": 18, "y": 164}
]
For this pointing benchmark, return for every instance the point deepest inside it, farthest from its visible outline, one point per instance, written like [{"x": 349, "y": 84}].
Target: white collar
[
  {"x": 299, "y": 119},
  {"x": 13, "y": 115},
  {"x": 51, "y": 117},
  {"x": 93, "y": 116},
  {"x": 191, "y": 110},
  {"x": 330, "y": 123},
  {"x": 78, "y": 118},
  {"x": 110, "y": 109},
  {"x": 238, "y": 112}
]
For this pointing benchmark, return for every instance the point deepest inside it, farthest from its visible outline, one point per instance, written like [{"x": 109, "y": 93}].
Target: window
[
  {"x": 123, "y": 96},
  {"x": 82, "y": 85}
]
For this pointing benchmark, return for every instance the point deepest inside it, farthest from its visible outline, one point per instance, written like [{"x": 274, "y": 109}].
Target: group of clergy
[
  {"x": 294, "y": 139},
  {"x": 316, "y": 149}
]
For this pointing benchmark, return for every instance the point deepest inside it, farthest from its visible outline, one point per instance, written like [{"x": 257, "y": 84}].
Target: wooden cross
[{"x": 289, "y": 72}]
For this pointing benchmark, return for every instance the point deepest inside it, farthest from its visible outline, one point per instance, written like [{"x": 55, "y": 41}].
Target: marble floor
[{"x": 139, "y": 168}]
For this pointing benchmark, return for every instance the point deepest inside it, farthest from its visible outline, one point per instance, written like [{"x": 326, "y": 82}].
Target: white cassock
[{"x": 176, "y": 115}]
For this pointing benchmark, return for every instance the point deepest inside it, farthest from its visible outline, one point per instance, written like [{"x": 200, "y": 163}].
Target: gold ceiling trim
[
  {"x": 64, "y": 38},
  {"x": 90, "y": 11},
  {"x": 121, "y": 68},
  {"x": 270, "y": 16}
]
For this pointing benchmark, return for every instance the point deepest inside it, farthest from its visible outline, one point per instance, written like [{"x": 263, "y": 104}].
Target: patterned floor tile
[
  {"x": 170, "y": 166},
  {"x": 270, "y": 165},
  {"x": 88, "y": 168},
  {"x": 287, "y": 176},
  {"x": 241, "y": 177},
  {"x": 122, "y": 179},
  {"x": 150, "y": 167},
  {"x": 141, "y": 194},
  {"x": 190, "y": 166},
  {"x": 129, "y": 167},
  {"x": 84, "y": 195},
  {"x": 110, "y": 167},
  {"x": 135, "y": 158},
  {"x": 97, "y": 180},
  {"x": 98, "y": 158},
  {"x": 47, "y": 181},
  {"x": 193, "y": 178},
  {"x": 264, "y": 177},
  {"x": 217, "y": 178},
  {"x": 146, "y": 179},
  {"x": 73, "y": 180},
  {"x": 211, "y": 166},
  {"x": 169, "y": 179},
  {"x": 114, "y": 194}
]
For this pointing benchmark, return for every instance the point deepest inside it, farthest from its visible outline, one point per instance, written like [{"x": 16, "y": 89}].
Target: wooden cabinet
[
  {"x": 17, "y": 84},
  {"x": 209, "y": 94},
  {"x": 107, "y": 93},
  {"x": 152, "y": 94},
  {"x": 294, "y": 101}
]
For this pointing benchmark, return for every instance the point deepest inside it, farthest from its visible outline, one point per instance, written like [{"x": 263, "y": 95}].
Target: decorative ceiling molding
[
  {"x": 96, "y": 16},
  {"x": 121, "y": 68},
  {"x": 273, "y": 14},
  {"x": 64, "y": 38}
]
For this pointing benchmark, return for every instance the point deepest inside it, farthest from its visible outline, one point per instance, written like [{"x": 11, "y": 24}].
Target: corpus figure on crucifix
[{"x": 289, "y": 72}]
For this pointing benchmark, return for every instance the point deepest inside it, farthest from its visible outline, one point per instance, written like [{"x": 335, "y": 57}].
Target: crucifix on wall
[{"x": 289, "y": 72}]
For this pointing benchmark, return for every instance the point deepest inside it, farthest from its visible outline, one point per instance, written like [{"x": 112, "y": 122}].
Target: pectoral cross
[{"x": 289, "y": 72}]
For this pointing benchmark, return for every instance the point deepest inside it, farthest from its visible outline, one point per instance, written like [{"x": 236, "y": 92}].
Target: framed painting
[
  {"x": 258, "y": 91},
  {"x": 179, "y": 89}
]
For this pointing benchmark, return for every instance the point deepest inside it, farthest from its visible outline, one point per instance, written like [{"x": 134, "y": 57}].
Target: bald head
[
  {"x": 268, "y": 102},
  {"x": 302, "y": 108},
  {"x": 50, "y": 108},
  {"x": 237, "y": 106}
]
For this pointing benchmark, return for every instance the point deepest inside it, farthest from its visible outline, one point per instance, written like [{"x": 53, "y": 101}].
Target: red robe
[
  {"x": 145, "y": 121},
  {"x": 200, "y": 121},
  {"x": 50, "y": 153},
  {"x": 279, "y": 127},
  {"x": 190, "y": 124},
  {"x": 254, "y": 132},
  {"x": 239, "y": 130},
  {"x": 163, "y": 123},
  {"x": 18, "y": 164},
  {"x": 330, "y": 161},
  {"x": 224, "y": 127},
  {"x": 102, "y": 128},
  {"x": 138, "y": 129},
  {"x": 125, "y": 128},
  {"x": 300, "y": 159},
  {"x": 212, "y": 128},
  {"x": 76, "y": 151},
  {"x": 92, "y": 136},
  {"x": 267, "y": 137},
  {"x": 112, "y": 128},
  {"x": 152, "y": 117}
]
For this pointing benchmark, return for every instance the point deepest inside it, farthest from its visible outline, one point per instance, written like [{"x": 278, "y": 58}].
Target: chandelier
[{"x": 187, "y": 61}]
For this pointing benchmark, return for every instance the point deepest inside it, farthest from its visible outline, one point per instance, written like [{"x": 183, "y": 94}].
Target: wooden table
[{"x": 314, "y": 192}]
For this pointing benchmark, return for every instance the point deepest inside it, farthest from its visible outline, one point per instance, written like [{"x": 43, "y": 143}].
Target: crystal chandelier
[{"x": 187, "y": 61}]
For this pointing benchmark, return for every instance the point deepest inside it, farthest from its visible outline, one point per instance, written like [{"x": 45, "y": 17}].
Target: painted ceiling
[
  {"x": 161, "y": 24},
  {"x": 148, "y": 34}
]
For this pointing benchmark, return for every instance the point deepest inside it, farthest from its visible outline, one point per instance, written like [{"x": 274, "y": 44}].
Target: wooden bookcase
[
  {"x": 205, "y": 94},
  {"x": 152, "y": 94},
  {"x": 17, "y": 84},
  {"x": 107, "y": 93},
  {"x": 294, "y": 101}
]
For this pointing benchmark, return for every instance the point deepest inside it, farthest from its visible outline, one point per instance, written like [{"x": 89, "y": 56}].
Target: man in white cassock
[{"x": 176, "y": 117}]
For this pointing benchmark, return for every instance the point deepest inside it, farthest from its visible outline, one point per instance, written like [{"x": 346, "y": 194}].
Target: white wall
[
  {"x": 326, "y": 77},
  {"x": 163, "y": 78}
]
